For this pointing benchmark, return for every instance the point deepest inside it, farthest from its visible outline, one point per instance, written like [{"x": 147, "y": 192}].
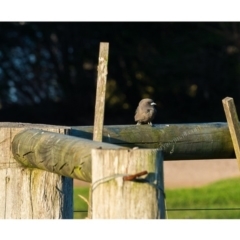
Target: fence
[{"x": 38, "y": 164}]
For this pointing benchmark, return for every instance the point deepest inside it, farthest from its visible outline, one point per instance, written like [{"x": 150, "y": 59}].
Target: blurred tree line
[{"x": 48, "y": 70}]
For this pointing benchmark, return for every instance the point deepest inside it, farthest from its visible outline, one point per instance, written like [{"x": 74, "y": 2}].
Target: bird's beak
[{"x": 153, "y": 103}]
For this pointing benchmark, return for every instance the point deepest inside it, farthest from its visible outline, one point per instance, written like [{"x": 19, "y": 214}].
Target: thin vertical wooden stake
[
  {"x": 100, "y": 92},
  {"x": 233, "y": 124},
  {"x": 100, "y": 103}
]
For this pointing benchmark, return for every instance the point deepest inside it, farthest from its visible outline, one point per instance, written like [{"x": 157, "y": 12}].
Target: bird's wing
[
  {"x": 141, "y": 114},
  {"x": 144, "y": 114}
]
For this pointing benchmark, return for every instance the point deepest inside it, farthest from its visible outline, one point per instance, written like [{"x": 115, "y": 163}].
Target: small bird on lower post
[{"x": 145, "y": 112}]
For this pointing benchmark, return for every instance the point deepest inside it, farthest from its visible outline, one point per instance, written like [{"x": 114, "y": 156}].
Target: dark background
[{"x": 48, "y": 70}]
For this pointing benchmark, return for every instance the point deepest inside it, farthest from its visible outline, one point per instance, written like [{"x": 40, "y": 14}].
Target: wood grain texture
[
  {"x": 113, "y": 198},
  {"x": 233, "y": 124},
  {"x": 100, "y": 98},
  {"x": 31, "y": 193},
  {"x": 100, "y": 91},
  {"x": 177, "y": 141},
  {"x": 62, "y": 154}
]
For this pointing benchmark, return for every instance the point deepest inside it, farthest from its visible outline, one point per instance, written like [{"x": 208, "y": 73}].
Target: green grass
[{"x": 223, "y": 194}]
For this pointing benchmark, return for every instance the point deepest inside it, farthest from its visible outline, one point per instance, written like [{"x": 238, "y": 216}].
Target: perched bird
[{"x": 145, "y": 112}]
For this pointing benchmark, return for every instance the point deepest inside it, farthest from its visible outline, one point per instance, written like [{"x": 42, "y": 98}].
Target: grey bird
[{"x": 145, "y": 112}]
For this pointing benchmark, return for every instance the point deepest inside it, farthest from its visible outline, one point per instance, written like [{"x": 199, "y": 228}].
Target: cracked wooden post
[
  {"x": 29, "y": 193},
  {"x": 127, "y": 184}
]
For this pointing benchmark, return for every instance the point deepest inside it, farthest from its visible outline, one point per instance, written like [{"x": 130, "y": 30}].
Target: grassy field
[{"x": 224, "y": 195}]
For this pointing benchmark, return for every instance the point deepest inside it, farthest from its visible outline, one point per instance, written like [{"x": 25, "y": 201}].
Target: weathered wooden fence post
[
  {"x": 29, "y": 193},
  {"x": 233, "y": 124},
  {"x": 127, "y": 184}
]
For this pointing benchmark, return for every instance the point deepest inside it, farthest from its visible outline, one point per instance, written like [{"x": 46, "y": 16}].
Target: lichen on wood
[
  {"x": 30, "y": 193},
  {"x": 62, "y": 154},
  {"x": 177, "y": 141}
]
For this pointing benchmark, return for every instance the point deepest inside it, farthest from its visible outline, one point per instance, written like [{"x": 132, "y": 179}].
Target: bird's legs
[{"x": 139, "y": 123}]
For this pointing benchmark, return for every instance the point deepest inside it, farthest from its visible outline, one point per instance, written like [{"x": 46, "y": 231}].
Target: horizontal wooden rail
[
  {"x": 178, "y": 141},
  {"x": 71, "y": 156},
  {"x": 58, "y": 153}
]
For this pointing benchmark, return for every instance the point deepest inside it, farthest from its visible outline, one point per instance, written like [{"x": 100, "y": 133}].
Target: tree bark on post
[
  {"x": 28, "y": 193},
  {"x": 127, "y": 184}
]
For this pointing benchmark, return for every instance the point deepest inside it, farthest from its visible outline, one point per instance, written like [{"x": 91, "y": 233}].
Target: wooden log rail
[
  {"x": 62, "y": 154},
  {"x": 178, "y": 141},
  {"x": 71, "y": 156}
]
